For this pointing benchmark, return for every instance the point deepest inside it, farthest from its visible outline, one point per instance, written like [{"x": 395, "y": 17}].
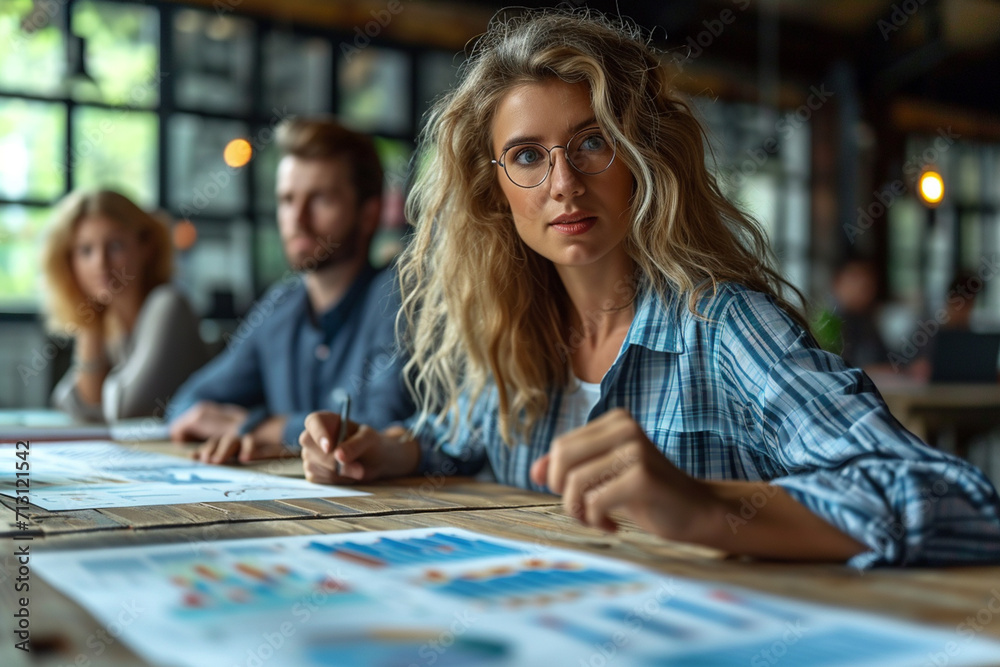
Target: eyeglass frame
[{"x": 548, "y": 151}]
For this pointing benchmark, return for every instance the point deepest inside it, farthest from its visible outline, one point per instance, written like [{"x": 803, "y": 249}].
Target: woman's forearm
[
  {"x": 91, "y": 365},
  {"x": 765, "y": 521}
]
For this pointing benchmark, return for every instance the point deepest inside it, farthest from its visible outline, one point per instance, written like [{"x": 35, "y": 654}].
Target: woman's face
[
  {"x": 106, "y": 258},
  {"x": 572, "y": 218}
]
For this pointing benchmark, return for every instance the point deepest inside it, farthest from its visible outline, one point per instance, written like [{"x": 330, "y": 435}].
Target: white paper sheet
[
  {"x": 450, "y": 597},
  {"x": 50, "y": 425},
  {"x": 90, "y": 475},
  {"x": 31, "y": 417}
]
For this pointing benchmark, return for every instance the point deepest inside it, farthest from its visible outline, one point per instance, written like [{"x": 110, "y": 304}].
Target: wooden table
[
  {"x": 927, "y": 410},
  {"x": 60, "y": 628}
]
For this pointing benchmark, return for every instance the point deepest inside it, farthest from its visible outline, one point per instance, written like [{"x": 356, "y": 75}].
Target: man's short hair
[{"x": 326, "y": 139}]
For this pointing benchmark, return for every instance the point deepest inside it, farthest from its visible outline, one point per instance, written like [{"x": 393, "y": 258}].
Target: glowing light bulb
[
  {"x": 931, "y": 188},
  {"x": 237, "y": 152}
]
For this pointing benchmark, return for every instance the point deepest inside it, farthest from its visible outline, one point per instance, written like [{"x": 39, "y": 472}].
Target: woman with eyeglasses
[
  {"x": 587, "y": 311},
  {"x": 107, "y": 265}
]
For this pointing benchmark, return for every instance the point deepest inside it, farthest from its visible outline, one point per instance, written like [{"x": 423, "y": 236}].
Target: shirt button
[{"x": 322, "y": 352}]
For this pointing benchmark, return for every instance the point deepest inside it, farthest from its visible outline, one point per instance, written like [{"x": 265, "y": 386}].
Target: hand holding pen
[
  {"x": 336, "y": 450},
  {"x": 323, "y": 444}
]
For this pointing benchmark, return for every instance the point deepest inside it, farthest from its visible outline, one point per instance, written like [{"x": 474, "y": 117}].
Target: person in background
[
  {"x": 960, "y": 301},
  {"x": 327, "y": 330},
  {"x": 587, "y": 310},
  {"x": 956, "y": 315},
  {"x": 851, "y": 328},
  {"x": 107, "y": 265}
]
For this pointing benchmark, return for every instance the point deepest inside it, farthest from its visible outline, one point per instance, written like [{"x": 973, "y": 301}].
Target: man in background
[{"x": 328, "y": 331}]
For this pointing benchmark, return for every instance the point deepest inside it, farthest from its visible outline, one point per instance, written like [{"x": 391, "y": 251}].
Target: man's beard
[{"x": 329, "y": 253}]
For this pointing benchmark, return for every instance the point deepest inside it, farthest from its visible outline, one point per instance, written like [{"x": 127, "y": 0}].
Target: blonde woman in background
[
  {"x": 586, "y": 309},
  {"x": 107, "y": 266}
]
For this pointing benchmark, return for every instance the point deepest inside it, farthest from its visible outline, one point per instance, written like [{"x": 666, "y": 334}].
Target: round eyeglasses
[{"x": 589, "y": 151}]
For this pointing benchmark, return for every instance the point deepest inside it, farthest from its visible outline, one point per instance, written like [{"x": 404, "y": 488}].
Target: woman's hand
[
  {"x": 363, "y": 456},
  {"x": 610, "y": 464}
]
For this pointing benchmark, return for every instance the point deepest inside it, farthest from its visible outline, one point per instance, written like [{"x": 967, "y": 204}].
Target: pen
[{"x": 345, "y": 415}]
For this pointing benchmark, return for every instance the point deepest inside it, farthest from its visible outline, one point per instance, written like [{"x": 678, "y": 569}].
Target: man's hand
[
  {"x": 228, "y": 448},
  {"x": 364, "y": 455},
  {"x": 205, "y": 420}
]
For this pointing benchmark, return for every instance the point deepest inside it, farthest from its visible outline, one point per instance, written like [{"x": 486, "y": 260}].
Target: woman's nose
[{"x": 565, "y": 180}]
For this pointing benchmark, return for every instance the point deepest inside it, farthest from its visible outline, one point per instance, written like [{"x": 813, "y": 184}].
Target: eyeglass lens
[{"x": 589, "y": 152}]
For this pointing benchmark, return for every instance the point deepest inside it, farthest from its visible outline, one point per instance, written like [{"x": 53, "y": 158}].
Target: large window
[
  {"x": 928, "y": 248},
  {"x": 144, "y": 97},
  {"x": 762, "y": 159}
]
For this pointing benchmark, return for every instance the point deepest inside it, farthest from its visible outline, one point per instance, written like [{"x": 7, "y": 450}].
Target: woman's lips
[{"x": 574, "y": 227}]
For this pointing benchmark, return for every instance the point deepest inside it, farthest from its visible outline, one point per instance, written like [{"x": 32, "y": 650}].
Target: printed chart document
[
  {"x": 92, "y": 475},
  {"x": 445, "y": 596},
  {"x": 49, "y": 425}
]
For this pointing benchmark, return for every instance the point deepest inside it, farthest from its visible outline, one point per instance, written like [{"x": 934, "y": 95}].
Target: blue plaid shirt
[{"x": 746, "y": 394}]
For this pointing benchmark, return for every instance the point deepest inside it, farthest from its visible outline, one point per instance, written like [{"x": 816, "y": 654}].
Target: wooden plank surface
[
  {"x": 394, "y": 497},
  {"x": 943, "y": 597},
  {"x": 408, "y": 495}
]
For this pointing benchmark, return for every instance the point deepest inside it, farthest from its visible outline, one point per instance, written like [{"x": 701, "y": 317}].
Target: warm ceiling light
[
  {"x": 931, "y": 188},
  {"x": 237, "y": 153}
]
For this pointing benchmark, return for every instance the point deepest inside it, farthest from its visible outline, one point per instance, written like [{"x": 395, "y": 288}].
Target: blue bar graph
[
  {"x": 532, "y": 582},
  {"x": 839, "y": 646},
  {"x": 707, "y": 613},
  {"x": 647, "y": 623},
  {"x": 408, "y": 551},
  {"x": 574, "y": 630},
  {"x": 762, "y": 606}
]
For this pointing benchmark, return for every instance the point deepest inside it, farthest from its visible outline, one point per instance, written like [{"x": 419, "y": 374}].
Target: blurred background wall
[{"x": 822, "y": 116}]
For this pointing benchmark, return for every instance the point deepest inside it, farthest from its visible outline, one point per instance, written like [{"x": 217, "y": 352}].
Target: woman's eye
[
  {"x": 527, "y": 156},
  {"x": 594, "y": 142},
  {"x": 115, "y": 246}
]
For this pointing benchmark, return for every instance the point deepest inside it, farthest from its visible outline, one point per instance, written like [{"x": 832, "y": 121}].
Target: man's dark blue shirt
[{"x": 284, "y": 360}]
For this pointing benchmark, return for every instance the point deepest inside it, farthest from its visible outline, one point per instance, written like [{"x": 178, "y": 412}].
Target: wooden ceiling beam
[{"x": 435, "y": 24}]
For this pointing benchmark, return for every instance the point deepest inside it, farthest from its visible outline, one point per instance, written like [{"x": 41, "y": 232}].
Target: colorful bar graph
[
  {"x": 533, "y": 583},
  {"x": 247, "y": 586}
]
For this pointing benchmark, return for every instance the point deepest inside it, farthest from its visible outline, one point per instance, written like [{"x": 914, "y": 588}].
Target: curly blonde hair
[
  {"x": 67, "y": 307},
  {"x": 479, "y": 306}
]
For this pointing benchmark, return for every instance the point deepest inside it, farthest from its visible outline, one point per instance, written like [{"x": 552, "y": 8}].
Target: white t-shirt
[{"x": 577, "y": 402}]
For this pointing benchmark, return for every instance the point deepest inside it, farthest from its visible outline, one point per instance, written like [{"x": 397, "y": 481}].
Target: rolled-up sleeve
[{"x": 831, "y": 442}]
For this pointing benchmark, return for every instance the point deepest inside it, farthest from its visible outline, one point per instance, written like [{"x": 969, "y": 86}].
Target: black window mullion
[
  {"x": 70, "y": 103},
  {"x": 254, "y": 125},
  {"x": 166, "y": 98}
]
